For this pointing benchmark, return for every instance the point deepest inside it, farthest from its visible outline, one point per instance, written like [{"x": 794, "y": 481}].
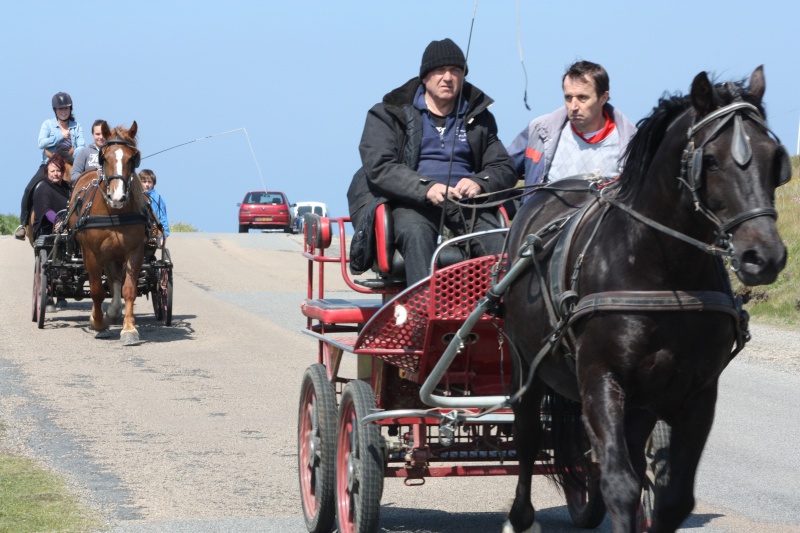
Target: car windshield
[{"x": 263, "y": 198}]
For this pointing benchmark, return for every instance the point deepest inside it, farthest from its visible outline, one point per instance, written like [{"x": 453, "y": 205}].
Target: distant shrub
[
  {"x": 181, "y": 227},
  {"x": 8, "y": 223}
]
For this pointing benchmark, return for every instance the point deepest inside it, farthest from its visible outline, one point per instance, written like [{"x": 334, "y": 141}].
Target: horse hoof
[
  {"x": 103, "y": 334},
  {"x": 130, "y": 338},
  {"x": 508, "y": 528}
]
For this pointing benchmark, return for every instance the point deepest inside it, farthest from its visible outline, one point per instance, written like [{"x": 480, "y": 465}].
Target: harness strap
[{"x": 108, "y": 221}]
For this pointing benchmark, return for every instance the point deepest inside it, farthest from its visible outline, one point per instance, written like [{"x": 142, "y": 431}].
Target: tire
[
  {"x": 586, "y": 507},
  {"x": 316, "y": 449},
  {"x": 657, "y": 474},
  {"x": 243, "y": 229},
  {"x": 359, "y": 462},
  {"x": 155, "y": 295},
  {"x": 37, "y": 271},
  {"x": 288, "y": 229},
  {"x": 41, "y": 304},
  {"x": 162, "y": 295}
]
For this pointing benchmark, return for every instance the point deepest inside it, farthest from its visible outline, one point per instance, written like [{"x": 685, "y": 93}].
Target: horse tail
[{"x": 568, "y": 440}]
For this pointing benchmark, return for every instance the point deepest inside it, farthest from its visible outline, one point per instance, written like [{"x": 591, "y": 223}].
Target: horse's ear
[
  {"x": 132, "y": 131},
  {"x": 702, "y": 94},
  {"x": 106, "y": 130},
  {"x": 757, "y": 83}
]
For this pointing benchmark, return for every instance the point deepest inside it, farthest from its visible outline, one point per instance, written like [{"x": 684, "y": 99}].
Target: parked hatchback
[{"x": 265, "y": 210}]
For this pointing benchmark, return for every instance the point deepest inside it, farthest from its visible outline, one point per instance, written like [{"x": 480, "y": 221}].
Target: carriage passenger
[
  {"x": 62, "y": 135},
  {"x": 406, "y": 149},
  {"x": 148, "y": 179},
  {"x": 87, "y": 157},
  {"x": 586, "y": 136}
]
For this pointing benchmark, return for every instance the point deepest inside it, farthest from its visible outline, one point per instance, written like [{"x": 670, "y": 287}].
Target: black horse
[{"x": 627, "y": 308}]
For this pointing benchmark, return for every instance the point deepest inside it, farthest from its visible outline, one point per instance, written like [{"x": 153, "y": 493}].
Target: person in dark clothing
[
  {"x": 50, "y": 197},
  {"x": 430, "y": 139}
]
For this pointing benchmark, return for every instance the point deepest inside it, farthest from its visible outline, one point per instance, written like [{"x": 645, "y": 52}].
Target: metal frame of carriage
[
  {"x": 354, "y": 432},
  {"x": 59, "y": 272}
]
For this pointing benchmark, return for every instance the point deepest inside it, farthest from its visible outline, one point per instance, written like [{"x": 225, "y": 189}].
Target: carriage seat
[
  {"x": 340, "y": 311},
  {"x": 389, "y": 264}
]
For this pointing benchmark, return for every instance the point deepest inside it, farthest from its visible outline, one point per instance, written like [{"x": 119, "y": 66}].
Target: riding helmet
[{"x": 61, "y": 100}]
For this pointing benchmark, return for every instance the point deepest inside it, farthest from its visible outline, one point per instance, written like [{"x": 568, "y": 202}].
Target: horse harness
[{"x": 87, "y": 221}]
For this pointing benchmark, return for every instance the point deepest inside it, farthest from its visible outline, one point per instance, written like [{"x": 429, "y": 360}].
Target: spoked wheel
[
  {"x": 37, "y": 272},
  {"x": 162, "y": 295},
  {"x": 657, "y": 474},
  {"x": 41, "y": 304},
  {"x": 585, "y": 505},
  {"x": 316, "y": 449},
  {"x": 155, "y": 295},
  {"x": 359, "y": 462}
]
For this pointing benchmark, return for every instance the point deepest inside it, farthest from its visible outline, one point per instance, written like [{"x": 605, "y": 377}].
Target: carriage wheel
[
  {"x": 657, "y": 474},
  {"x": 316, "y": 449},
  {"x": 359, "y": 462},
  {"x": 41, "y": 304},
  {"x": 585, "y": 505},
  {"x": 37, "y": 271},
  {"x": 155, "y": 295},
  {"x": 166, "y": 295}
]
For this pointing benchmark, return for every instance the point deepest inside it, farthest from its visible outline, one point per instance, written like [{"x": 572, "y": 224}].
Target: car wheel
[{"x": 243, "y": 229}]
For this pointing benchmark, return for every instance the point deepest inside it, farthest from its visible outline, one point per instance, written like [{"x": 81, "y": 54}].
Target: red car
[{"x": 265, "y": 210}]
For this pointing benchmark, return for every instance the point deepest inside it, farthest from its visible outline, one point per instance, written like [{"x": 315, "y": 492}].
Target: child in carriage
[{"x": 159, "y": 206}]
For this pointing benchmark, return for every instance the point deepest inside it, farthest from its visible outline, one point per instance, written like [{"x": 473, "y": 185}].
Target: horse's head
[
  {"x": 118, "y": 159},
  {"x": 732, "y": 165}
]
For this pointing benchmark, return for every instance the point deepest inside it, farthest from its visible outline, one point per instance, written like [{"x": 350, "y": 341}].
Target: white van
[{"x": 301, "y": 208}]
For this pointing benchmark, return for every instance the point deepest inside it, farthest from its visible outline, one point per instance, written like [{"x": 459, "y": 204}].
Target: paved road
[{"x": 194, "y": 431}]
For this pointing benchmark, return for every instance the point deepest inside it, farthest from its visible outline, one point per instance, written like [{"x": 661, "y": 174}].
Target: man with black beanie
[{"x": 432, "y": 137}]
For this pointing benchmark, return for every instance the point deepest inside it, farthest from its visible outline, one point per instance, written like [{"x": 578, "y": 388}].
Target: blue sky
[{"x": 299, "y": 76}]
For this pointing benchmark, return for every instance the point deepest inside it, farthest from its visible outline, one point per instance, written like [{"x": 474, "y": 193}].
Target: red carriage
[{"x": 423, "y": 403}]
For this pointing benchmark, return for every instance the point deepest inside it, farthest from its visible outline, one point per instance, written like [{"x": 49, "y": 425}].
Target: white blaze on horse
[{"x": 106, "y": 218}]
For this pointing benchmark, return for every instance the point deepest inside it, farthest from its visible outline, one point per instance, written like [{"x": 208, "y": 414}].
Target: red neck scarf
[{"x": 608, "y": 127}]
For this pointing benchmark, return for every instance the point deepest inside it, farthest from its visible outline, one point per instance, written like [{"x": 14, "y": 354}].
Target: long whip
[{"x": 217, "y": 135}]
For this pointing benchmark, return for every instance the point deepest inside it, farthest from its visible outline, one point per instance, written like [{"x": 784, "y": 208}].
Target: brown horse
[{"x": 108, "y": 225}]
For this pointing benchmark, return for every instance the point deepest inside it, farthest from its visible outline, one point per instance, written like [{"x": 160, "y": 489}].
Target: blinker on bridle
[
  {"x": 741, "y": 151},
  {"x": 135, "y": 159}
]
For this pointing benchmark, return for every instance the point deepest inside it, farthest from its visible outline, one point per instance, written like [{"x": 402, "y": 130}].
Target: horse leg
[
  {"x": 604, "y": 418},
  {"x": 114, "y": 309},
  {"x": 98, "y": 294},
  {"x": 527, "y": 441},
  {"x": 130, "y": 335},
  {"x": 689, "y": 435}
]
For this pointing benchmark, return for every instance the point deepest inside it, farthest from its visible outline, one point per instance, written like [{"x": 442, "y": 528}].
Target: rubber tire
[
  {"x": 288, "y": 229},
  {"x": 586, "y": 507},
  {"x": 166, "y": 296},
  {"x": 155, "y": 295},
  {"x": 316, "y": 420},
  {"x": 243, "y": 229},
  {"x": 657, "y": 475},
  {"x": 359, "y": 462},
  {"x": 42, "y": 303},
  {"x": 37, "y": 270}
]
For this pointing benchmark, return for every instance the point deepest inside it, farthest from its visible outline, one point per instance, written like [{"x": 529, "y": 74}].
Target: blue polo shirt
[{"x": 437, "y": 147}]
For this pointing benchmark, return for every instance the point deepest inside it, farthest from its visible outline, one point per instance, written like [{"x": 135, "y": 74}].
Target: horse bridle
[
  {"x": 134, "y": 160},
  {"x": 692, "y": 162}
]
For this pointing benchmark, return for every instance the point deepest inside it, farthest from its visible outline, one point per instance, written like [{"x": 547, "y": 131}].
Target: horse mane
[
  {"x": 652, "y": 129},
  {"x": 138, "y": 200}
]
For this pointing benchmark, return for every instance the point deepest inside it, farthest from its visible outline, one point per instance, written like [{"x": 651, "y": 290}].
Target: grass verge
[{"x": 34, "y": 499}]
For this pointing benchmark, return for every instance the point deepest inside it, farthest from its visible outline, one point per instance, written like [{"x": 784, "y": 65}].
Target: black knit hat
[{"x": 442, "y": 54}]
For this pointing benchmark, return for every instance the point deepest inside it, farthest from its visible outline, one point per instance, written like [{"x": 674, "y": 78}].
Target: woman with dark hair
[
  {"x": 62, "y": 135},
  {"x": 50, "y": 197}
]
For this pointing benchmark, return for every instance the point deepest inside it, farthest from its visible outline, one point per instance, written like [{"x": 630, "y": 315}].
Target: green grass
[
  {"x": 34, "y": 499},
  {"x": 8, "y": 223}
]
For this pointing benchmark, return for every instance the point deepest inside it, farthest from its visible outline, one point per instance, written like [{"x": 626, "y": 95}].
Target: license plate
[{"x": 263, "y": 219}]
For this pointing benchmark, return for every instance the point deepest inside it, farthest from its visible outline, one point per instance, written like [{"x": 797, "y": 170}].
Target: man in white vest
[{"x": 586, "y": 136}]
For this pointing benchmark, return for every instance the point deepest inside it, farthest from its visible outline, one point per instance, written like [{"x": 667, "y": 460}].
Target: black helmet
[{"x": 61, "y": 100}]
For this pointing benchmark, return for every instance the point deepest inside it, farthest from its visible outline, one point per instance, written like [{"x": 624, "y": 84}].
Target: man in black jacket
[{"x": 430, "y": 138}]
